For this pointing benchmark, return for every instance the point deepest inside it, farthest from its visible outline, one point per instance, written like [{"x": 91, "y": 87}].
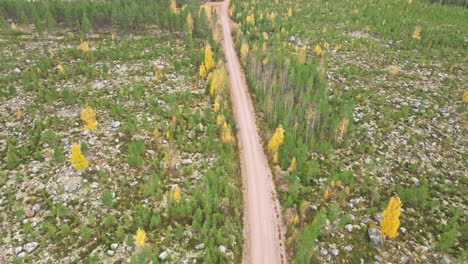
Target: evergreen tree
[
  {"x": 85, "y": 24},
  {"x": 50, "y": 20}
]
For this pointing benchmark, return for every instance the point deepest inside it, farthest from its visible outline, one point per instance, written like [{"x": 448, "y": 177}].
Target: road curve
[{"x": 263, "y": 231}]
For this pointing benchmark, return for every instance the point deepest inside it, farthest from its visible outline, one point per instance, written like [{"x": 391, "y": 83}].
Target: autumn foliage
[
  {"x": 208, "y": 62},
  {"x": 276, "y": 140},
  {"x": 140, "y": 238},
  {"x": 78, "y": 160},
  {"x": 88, "y": 115},
  {"x": 391, "y": 221}
]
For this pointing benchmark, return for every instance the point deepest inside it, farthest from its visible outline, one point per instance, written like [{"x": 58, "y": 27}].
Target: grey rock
[
  {"x": 110, "y": 252},
  {"x": 402, "y": 230},
  {"x": 323, "y": 252},
  {"x": 335, "y": 252},
  {"x": 414, "y": 180},
  {"x": 378, "y": 258},
  {"x": 200, "y": 127},
  {"x": 35, "y": 169},
  {"x": 200, "y": 246},
  {"x": 404, "y": 259},
  {"x": 115, "y": 124},
  {"x": 349, "y": 228},
  {"x": 375, "y": 237},
  {"x": 22, "y": 255},
  {"x": 36, "y": 207},
  {"x": 17, "y": 70},
  {"x": 348, "y": 248},
  {"x": 114, "y": 246},
  {"x": 94, "y": 185},
  {"x": 187, "y": 162},
  {"x": 190, "y": 135},
  {"x": 30, "y": 247},
  {"x": 164, "y": 255},
  {"x": 18, "y": 250},
  {"x": 378, "y": 217},
  {"x": 222, "y": 248},
  {"x": 292, "y": 39},
  {"x": 444, "y": 260}
]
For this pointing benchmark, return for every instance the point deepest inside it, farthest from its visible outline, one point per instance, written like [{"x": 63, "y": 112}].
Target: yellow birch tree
[
  {"x": 391, "y": 221},
  {"x": 77, "y": 159},
  {"x": 276, "y": 140}
]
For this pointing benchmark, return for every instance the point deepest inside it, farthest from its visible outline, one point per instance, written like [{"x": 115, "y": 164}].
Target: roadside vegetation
[
  {"x": 362, "y": 107},
  {"x": 113, "y": 147}
]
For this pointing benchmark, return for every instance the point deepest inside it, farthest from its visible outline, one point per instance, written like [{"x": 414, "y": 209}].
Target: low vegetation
[
  {"x": 111, "y": 148},
  {"x": 370, "y": 97}
]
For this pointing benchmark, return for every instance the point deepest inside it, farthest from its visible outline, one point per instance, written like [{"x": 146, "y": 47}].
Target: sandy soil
[{"x": 263, "y": 231}]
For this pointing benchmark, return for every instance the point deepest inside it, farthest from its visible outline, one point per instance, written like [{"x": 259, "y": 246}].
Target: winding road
[{"x": 263, "y": 231}]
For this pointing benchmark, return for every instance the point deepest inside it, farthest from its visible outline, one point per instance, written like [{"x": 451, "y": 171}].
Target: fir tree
[{"x": 85, "y": 24}]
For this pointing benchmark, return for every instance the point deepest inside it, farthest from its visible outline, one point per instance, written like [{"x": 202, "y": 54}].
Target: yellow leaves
[
  {"x": 250, "y": 20},
  {"x": 220, "y": 120},
  {"x": 317, "y": 50},
  {"x": 271, "y": 16},
  {"x": 226, "y": 135},
  {"x": 337, "y": 47},
  {"x": 60, "y": 69},
  {"x": 77, "y": 159},
  {"x": 173, "y": 7},
  {"x": 290, "y": 13},
  {"x": 140, "y": 238},
  {"x": 168, "y": 135},
  {"x": 84, "y": 46},
  {"x": 394, "y": 70},
  {"x": 465, "y": 97},
  {"x": 416, "y": 33},
  {"x": 276, "y": 140},
  {"x": 326, "y": 46},
  {"x": 265, "y": 61},
  {"x": 292, "y": 164},
  {"x": 294, "y": 220},
  {"x": 265, "y": 35},
  {"x": 216, "y": 107},
  {"x": 367, "y": 28},
  {"x": 88, "y": 115},
  {"x": 174, "y": 120},
  {"x": 391, "y": 221},
  {"x": 202, "y": 71},
  {"x": 13, "y": 26},
  {"x": 112, "y": 36},
  {"x": 176, "y": 194},
  {"x": 19, "y": 113},
  {"x": 326, "y": 194},
  {"x": 156, "y": 134},
  {"x": 341, "y": 128},
  {"x": 217, "y": 79},
  {"x": 409, "y": 1},
  {"x": 301, "y": 54},
  {"x": 244, "y": 51},
  {"x": 209, "y": 61},
  {"x": 189, "y": 20}
]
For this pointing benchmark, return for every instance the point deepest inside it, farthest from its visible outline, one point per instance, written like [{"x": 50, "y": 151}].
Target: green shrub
[
  {"x": 107, "y": 198},
  {"x": 136, "y": 149}
]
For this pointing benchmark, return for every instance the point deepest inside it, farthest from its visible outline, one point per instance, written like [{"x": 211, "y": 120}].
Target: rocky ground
[
  {"x": 407, "y": 135},
  {"x": 155, "y": 161}
]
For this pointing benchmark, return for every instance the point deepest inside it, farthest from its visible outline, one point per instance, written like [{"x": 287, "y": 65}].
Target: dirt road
[{"x": 263, "y": 233}]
